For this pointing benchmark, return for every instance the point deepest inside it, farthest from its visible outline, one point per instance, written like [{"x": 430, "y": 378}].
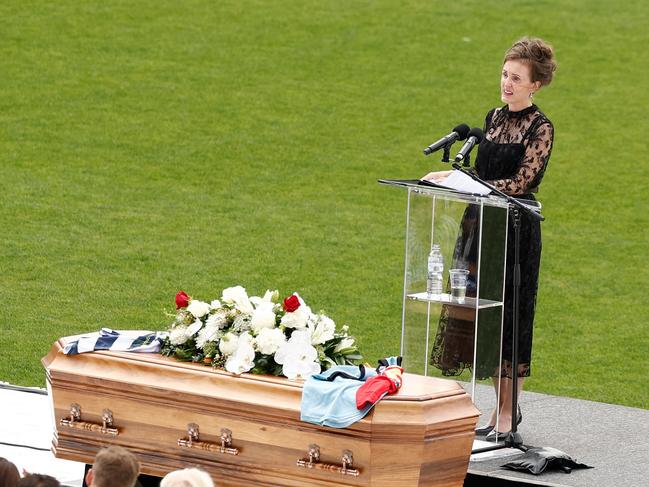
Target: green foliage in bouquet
[{"x": 258, "y": 335}]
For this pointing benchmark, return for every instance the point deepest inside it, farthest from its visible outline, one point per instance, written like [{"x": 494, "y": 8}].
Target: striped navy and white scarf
[{"x": 122, "y": 341}]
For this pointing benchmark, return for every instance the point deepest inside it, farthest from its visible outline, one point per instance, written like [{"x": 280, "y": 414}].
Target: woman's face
[{"x": 516, "y": 85}]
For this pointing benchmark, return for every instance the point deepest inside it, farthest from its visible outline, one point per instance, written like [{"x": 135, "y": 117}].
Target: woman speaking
[{"x": 513, "y": 157}]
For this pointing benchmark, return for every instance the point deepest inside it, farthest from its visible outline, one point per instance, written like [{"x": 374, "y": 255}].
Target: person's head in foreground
[
  {"x": 9, "y": 475},
  {"x": 189, "y": 477},
  {"x": 114, "y": 466},
  {"x": 38, "y": 480}
]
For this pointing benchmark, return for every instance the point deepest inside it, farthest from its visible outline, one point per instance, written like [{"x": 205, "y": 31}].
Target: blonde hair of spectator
[{"x": 189, "y": 477}]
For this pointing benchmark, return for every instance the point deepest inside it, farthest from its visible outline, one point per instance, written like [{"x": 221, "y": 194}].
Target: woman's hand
[{"x": 437, "y": 176}]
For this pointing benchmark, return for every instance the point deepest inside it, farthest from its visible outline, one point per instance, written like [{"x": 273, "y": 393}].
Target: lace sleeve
[{"x": 530, "y": 172}]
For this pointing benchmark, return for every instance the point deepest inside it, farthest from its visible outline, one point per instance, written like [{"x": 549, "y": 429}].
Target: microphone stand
[
  {"x": 466, "y": 162},
  {"x": 513, "y": 438},
  {"x": 447, "y": 152}
]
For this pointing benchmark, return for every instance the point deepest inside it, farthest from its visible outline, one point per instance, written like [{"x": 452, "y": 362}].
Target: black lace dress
[{"x": 513, "y": 157}]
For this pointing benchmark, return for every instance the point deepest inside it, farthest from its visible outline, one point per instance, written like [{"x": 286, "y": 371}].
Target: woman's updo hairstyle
[{"x": 538, "y": 54}]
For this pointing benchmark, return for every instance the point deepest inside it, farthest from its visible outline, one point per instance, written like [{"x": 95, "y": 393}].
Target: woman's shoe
[
  {"x": 485, "y": 430},
  {"x": 496, "y": 435}
]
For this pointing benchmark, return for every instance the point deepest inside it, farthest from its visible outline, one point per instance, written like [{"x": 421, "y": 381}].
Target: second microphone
[{"x": 474, "y": 137}]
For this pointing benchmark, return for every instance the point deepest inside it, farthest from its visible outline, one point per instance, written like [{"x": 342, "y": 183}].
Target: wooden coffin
[{"x": 246, "y": 430}]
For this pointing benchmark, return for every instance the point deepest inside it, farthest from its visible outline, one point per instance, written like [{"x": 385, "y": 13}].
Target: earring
[{"x": 531, "y": 95}]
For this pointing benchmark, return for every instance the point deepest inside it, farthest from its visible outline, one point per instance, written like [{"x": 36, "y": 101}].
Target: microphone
[
  {"x": 459, "y": 133},
  {"x": 474, "y": 137}
]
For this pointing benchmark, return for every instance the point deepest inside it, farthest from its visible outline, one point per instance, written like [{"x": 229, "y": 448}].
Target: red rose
[
  {"x": 291, "y": 303},
  {"x": 182, "y": 300}
]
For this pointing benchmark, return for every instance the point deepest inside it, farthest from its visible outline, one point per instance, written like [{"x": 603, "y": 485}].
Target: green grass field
[{"x": 147, "y": 147}]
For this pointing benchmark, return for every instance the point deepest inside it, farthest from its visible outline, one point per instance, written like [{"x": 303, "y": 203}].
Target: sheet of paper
[{"x": 459, "y": 181}]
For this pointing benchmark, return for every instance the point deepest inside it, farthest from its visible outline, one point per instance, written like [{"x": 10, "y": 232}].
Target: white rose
[
  {"x": 298, "y": 318},
  {"x": 263, "y": 317},
  {"x": 215, "y": 304},
  {"x": 237, "y": 296},
  {"x": 228, "y": 343},
  {"x": 198, "y": 308},
  {"x": 323, "y": 329},
  {"x": 301, "y": 336},
  {"x": 269, "y": 340}
]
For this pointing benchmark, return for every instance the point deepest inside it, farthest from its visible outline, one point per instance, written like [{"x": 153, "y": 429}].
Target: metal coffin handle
[
  {"x": 346, "y": 467},
  {"x": 74, "y": 421},
  {"x": 193, "y": 441}
]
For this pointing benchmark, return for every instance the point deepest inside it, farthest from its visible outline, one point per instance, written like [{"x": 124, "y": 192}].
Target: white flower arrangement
[{"x": 258, "y": 334}]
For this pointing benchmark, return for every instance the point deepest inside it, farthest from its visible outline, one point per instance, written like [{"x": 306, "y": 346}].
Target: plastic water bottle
[{"x": 435, "y": 283}]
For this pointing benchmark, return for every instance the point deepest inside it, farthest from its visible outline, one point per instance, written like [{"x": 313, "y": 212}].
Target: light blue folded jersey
[{"x": 333, "y": 403}]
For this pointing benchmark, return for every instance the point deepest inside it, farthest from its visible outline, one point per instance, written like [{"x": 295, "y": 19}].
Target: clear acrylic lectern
[{"x": 442, "y": 335}]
